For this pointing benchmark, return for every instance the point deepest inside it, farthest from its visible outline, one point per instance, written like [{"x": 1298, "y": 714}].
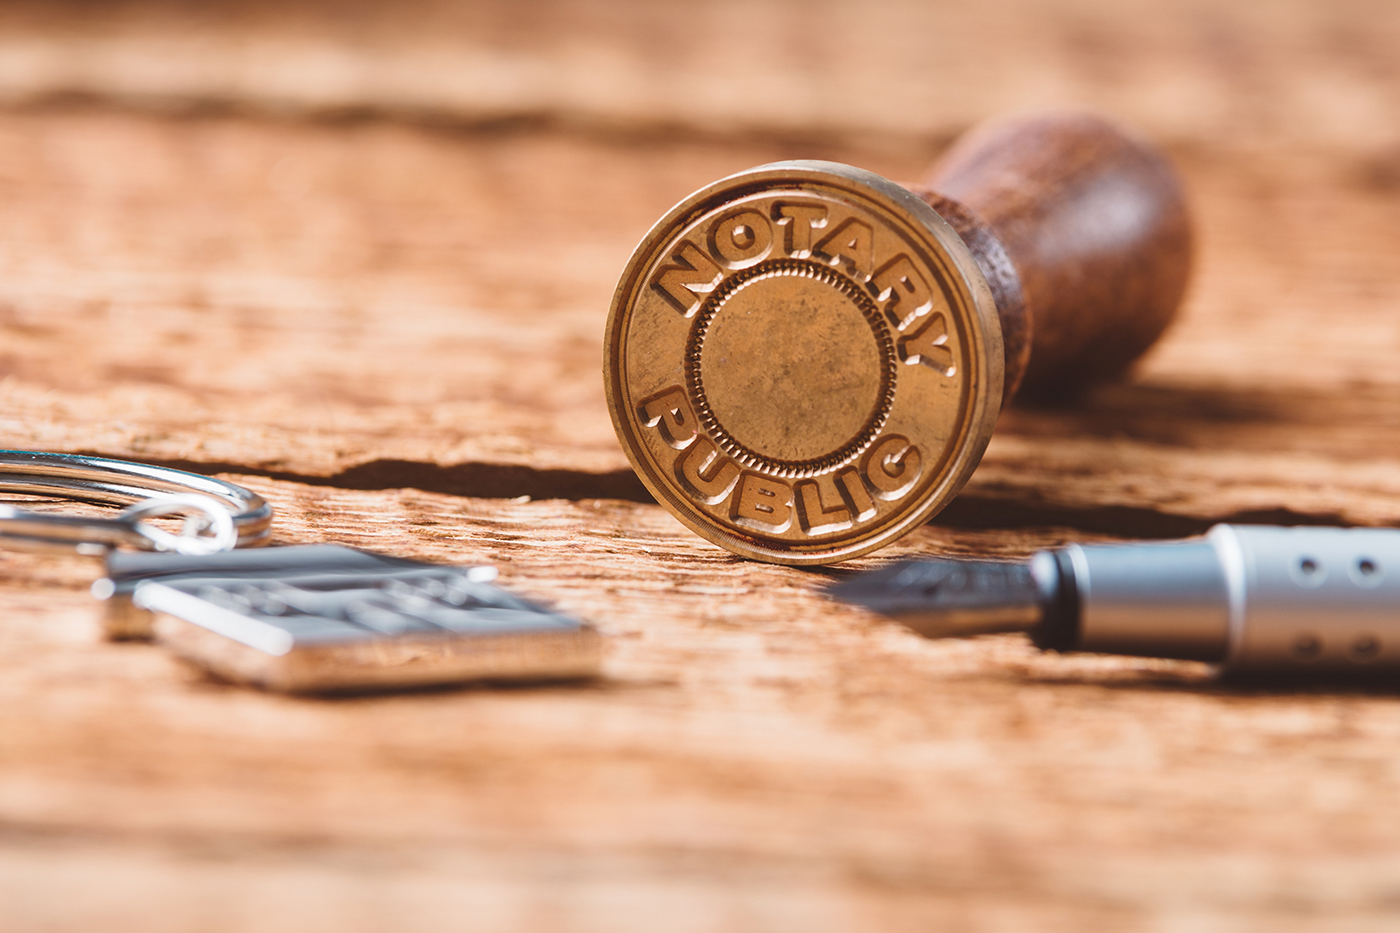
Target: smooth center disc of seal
[{"x": 792, "y": 367}]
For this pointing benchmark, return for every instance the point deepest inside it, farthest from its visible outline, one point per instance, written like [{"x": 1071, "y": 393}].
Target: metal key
[{"x": 325, "y": 618}]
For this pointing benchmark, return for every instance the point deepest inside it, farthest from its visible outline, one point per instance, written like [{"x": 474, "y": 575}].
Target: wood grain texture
[
  {"x": 345, "y": 303},
  {"x": 1097, "y": 230},
  {"x": 1293, "y": 73},
  {"x": 390, "y": 327},
  {"x": 754, "y": 757}
]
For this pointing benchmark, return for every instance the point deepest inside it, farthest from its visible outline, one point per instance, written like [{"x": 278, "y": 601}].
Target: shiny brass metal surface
[{"x": 803, "y": 362}]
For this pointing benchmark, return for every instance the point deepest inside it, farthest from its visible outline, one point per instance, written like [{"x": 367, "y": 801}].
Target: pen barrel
[
  {"x": 1255, "y": 598},
  {"x": 1312, "y": 598}
]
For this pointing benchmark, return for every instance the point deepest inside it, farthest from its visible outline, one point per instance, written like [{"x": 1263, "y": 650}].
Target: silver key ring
[{"x": 221, "y": 515}]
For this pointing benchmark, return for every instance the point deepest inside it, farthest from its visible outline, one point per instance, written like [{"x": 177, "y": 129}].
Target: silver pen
[{"x": 1252, "y": 598}]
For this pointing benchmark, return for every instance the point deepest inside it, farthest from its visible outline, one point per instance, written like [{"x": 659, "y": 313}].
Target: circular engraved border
[
  {"x": 791, "y": 469},
  {"x": 932, "y": 241}
]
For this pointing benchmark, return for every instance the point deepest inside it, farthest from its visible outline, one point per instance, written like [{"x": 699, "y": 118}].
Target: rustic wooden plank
[
  {"x": 347, "y": 302},
  {"x": 753, "y": 756},
  {"x": 343, "y": 309},
  {"x": 1290, "y": 72}
]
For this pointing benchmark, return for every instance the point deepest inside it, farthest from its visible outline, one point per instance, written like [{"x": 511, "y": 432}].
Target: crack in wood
[{"x": 968, "y": 511}]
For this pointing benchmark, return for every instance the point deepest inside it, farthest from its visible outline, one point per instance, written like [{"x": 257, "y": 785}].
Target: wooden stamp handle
[{"x": 1082, "y": 232}]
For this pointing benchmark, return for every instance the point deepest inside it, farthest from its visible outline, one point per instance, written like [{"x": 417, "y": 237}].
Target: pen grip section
[{"x": 1166, "y": 600}]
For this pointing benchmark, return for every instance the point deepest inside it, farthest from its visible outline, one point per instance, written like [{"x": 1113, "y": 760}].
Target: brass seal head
[{"x": 803, "y": 362}]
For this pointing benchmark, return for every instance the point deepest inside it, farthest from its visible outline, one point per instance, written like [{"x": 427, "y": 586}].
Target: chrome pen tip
[{"x": 949, "y": 597}]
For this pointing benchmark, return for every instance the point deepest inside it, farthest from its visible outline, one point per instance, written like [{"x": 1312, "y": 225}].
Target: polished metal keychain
[
  {"x": 324, "y": 618},
  {"x": 306, "y": 618},
  {"x": 222, "y": 515}
]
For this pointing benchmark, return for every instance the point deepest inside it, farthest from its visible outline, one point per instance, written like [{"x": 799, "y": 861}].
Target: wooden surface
[{"x": 382, "y": 309}]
